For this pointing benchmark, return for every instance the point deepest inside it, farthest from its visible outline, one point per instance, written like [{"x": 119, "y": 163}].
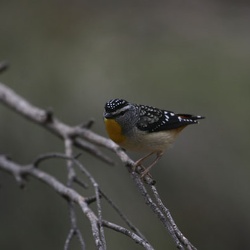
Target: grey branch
[
  {"x": 22, "y": 172},
  {"x": 82, "y": 137},
  {"x": 47, "y": 120}
]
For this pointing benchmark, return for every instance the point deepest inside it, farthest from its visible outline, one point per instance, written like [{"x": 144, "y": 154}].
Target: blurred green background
[{"x": 185, "y": 56}]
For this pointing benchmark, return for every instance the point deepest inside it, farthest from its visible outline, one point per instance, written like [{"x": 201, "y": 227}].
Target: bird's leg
[
  {"x": 138, "y": 163},
  {"x": 158, "y": 157}
]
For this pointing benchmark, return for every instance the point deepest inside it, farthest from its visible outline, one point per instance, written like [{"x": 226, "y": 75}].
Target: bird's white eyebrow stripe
[{"x": 117, "y": 112}]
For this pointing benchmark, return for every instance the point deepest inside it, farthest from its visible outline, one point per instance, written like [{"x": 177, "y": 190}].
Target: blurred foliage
[{"x": 75, "y": 55}]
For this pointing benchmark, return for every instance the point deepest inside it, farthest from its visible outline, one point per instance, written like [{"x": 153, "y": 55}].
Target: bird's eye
[{"x": 122, "y": 113}]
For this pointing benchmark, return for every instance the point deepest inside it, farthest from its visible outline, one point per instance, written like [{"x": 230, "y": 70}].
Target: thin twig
[
  {"x": 128, "y": 233},
  {"x": 98, "y": 201},
  {"x": 74, "y": 231},
  {"x": 122, "y": 215},
  {"x": 80, "y": 182},
  {"x": 72, "y": 213}
]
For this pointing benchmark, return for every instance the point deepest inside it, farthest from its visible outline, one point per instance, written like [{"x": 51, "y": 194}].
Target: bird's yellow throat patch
[{"x": 114, "y": 130}]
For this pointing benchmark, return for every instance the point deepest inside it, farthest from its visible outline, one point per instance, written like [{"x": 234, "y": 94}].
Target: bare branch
[
  {"x": 66, "y": 192},
  {"x": 167, "y": 213},
  {"x": 23, "y": 171},
  {"x": 47, "y": 120},
  {"x": 89, "y": 141}
]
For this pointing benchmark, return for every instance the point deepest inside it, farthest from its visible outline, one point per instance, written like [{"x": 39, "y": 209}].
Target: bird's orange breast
[{"x": 114, "y": 130}]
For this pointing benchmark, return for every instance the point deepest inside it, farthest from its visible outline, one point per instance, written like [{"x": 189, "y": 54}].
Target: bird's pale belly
[{"x": 149, "y": 142}]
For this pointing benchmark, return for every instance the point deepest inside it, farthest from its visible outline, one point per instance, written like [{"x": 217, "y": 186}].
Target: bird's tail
[{"x": 193, "y": 118}]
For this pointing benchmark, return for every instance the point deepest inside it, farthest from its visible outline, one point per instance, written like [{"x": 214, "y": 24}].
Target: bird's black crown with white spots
[{"x": 114, "y": 105}]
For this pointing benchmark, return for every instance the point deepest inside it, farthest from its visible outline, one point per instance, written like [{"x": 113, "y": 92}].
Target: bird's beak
[{"x": 107, "y": 115}]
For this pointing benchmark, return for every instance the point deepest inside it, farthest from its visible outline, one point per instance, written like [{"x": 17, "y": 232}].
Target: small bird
[{"x": 144, "y": 128}]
